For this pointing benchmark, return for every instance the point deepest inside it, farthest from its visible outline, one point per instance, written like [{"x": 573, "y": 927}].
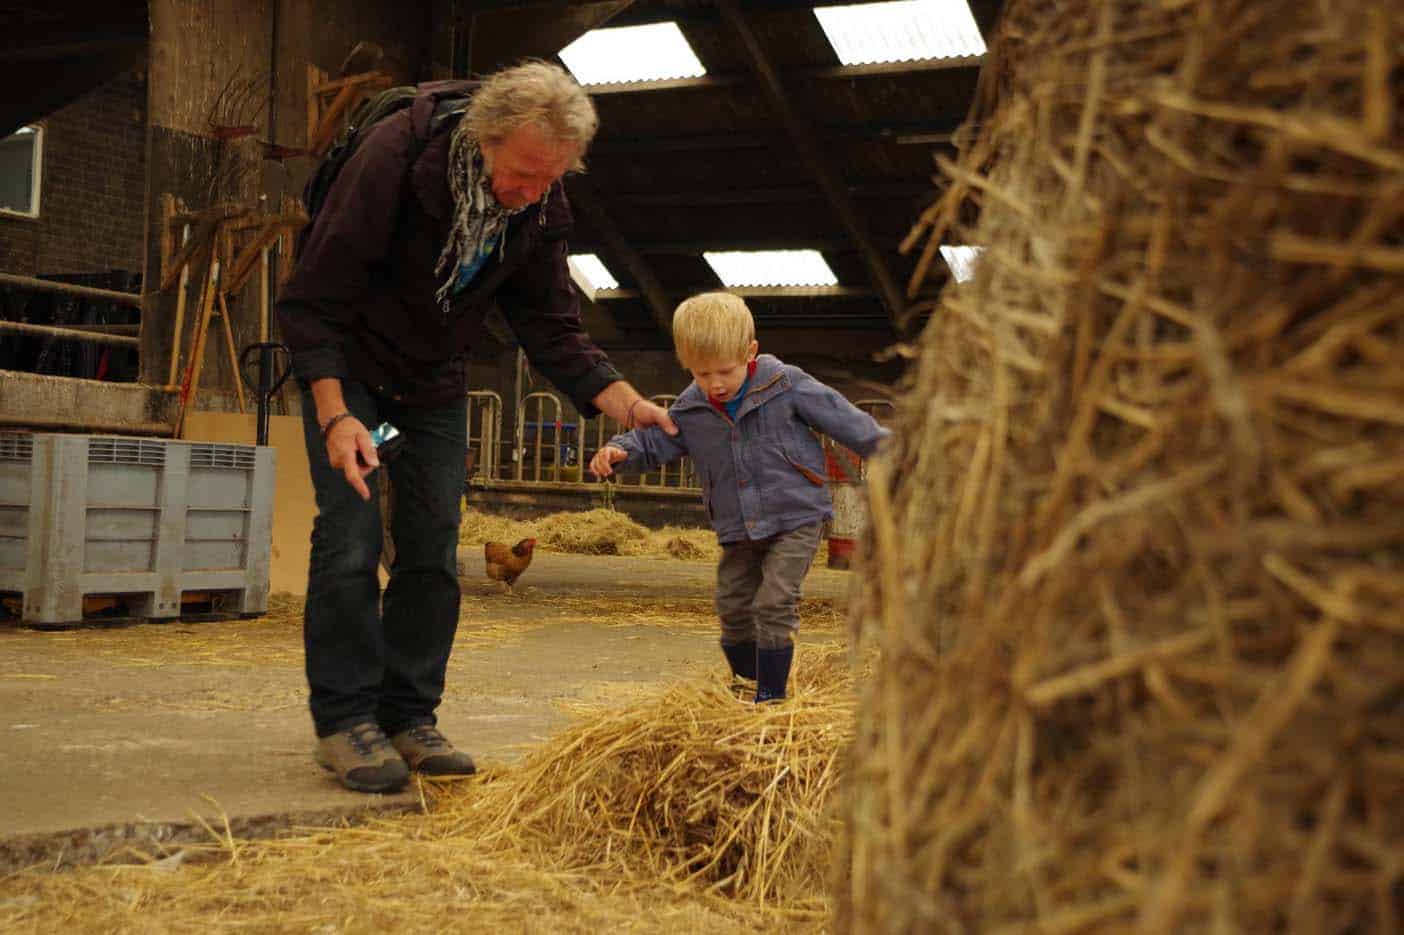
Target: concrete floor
[{"x": 120, "y": 735}]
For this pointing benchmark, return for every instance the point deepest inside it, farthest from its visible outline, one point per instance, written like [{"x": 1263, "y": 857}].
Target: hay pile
[
  {"x": 691, "y": 812},
  {"x": 1140, "y": 539},
  {"x": 600, "y": 532},
  {"x": 592, "y": 532}
]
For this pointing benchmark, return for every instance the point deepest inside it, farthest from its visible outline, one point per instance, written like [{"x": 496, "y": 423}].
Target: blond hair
[
  {"x": 713, "y": 326},
  {"x": 534, "y": 92}
]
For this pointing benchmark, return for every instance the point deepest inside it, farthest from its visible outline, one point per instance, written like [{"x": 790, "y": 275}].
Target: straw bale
[
  {"x": 691, "y": 811},
  {"x": 1135, "y": 560}
]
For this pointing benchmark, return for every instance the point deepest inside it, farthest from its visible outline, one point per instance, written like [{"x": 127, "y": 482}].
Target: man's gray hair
[{"x": 534, "y": 92}]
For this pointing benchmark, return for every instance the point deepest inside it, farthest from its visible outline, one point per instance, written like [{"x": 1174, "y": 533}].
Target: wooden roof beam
[
  {"x": 583, "y": 197},
  {"x": 807, "y": 146},
  {"x": 824, "y": 72},
  {"x": 918, "y": 133},
  {"x": 792, "y": 194}
]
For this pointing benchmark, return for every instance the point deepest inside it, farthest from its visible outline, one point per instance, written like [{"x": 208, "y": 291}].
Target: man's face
[
  {"x": 524, "y": 163},
  {"x": 720, "y": 379}
]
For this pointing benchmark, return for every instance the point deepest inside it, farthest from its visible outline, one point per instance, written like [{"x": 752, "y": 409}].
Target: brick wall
[{"x": 92, "y": 194}]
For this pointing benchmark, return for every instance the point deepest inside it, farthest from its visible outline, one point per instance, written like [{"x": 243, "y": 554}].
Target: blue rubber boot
[
  {"x": 773, "y": 673},
  {"x": 742, "y": 658}
]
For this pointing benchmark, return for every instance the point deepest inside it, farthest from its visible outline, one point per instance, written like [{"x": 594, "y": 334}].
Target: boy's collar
[
  {"x": 767, "y": 369},
  {"x": 723, "y": 406}
]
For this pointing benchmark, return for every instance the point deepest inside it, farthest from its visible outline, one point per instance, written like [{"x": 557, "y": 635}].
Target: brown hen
[{"x": 507, "y": 564}]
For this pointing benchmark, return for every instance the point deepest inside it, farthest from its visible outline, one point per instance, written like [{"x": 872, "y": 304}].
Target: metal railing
[
  {"x": 485, "y": 410},
  {"x": 552, "y": 439},
  {"x": 543, "y": 399},
  {"x": 92, "y": 334}
]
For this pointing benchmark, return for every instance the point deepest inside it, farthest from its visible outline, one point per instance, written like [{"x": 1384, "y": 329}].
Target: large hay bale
[{"x": 1136, "y": 559}]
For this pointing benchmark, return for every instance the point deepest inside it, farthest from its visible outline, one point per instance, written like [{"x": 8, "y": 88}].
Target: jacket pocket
[{"x": 809, "y": 474}]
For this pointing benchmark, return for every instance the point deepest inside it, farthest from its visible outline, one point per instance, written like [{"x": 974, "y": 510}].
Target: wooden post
[
  {"x": 314, "y": 78},
  {"x": 167, "y": 211},
  {"x": 179, "y": 310},
  {"x": 233, "y": 352},
  {"x": 190, "y": 386},
  {"x": 263, "y": 296}
]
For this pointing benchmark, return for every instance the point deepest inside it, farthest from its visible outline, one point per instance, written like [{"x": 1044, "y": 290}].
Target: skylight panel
[
  {"x": 961, "y": 260},
  {"x": 624, "y": 54},
  {"x": 771, "y": 268},
  {"x": 901, "y": 31},
  {"x": 589, "y": 271}
]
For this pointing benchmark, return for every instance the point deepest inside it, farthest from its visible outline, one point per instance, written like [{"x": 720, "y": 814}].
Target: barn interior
[{"x": 1123, "y": 278}]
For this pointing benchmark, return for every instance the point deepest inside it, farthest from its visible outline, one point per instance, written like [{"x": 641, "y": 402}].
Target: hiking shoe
[
  {"x": 363, "y": 759},
  {"x": 428, "y": 751}
]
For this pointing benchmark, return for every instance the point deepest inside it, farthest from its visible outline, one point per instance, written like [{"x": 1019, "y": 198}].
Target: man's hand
[
  {"x": 351, "y": 451},
  {"x": 646, "y": 413},
  {"x": 624, "y": 404},
  {"x": 602, "y": 464}
]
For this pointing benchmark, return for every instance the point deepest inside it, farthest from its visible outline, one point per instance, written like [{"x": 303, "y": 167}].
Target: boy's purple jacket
[
  {"x": 764, "y": 473},
  {"x": 361, "y": 303}
]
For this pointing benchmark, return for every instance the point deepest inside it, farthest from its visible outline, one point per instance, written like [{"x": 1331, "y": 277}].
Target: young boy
[{"x": 746, "y": 421}]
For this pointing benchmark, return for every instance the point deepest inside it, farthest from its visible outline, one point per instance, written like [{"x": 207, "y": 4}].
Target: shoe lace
[
  {"x": 429, "y": 736},
  {"x": 365, "y": 738}
]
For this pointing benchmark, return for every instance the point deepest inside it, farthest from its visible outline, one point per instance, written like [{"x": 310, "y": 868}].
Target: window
[
  {"x": 625, "y": 54},
  {"x": 901, "y": 31},
  {"x": 961, "y": 260},
  {"x": 590, "y": 274},
  {"x": 21, "y": 155},
  {"x": 738, "y": 268}
]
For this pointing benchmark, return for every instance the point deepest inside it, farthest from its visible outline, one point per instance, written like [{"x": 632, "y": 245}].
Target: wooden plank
[
  {"x": 365, "y": 78},
  {"x": 205, "y": 230},
  {"x": 315, "y": 76},
  {"x": 327, "y": 123},
  {"x": 167, "y": 235},
  {"x": 228, "y": 328},
  {"x": 68, "y": 334},
  {"x": 243, "y": 264},
  {"x": 181, "y": 289},
  {"x": 294, "y": 503}
]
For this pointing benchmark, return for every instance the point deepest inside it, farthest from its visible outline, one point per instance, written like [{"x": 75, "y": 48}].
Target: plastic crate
[{"x": 147, "y": 519}]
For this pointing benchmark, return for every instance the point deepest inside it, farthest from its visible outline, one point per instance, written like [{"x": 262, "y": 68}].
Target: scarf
[{"x": 478, "y": 220}]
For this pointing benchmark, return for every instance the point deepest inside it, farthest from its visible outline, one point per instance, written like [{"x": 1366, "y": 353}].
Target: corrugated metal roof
[
  {"x": 624, "y": 54},
  {"x": 901, "y": 31}
]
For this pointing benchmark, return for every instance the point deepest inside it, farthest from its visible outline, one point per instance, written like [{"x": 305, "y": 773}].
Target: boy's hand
[{"x": 602, "y": 464}]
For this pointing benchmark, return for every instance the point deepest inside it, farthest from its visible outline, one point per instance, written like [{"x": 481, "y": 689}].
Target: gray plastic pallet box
[{"x": 145, "y": 518}]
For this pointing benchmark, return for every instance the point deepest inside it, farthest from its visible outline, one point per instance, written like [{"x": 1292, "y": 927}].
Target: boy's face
[{"x": 720, "y": 379}]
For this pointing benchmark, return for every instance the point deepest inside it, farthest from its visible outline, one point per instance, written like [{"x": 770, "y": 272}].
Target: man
[{"x": 432, "y": 220}]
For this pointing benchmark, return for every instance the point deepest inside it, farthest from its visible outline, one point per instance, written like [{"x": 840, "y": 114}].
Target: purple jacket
[
  {"x": 360, "y": 304},
  {"x": 764, "y": 473}
]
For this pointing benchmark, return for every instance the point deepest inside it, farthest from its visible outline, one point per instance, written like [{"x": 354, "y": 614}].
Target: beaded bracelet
[
  {"x": 629, "y": 414},
  {"x": 326, "y": 429}
]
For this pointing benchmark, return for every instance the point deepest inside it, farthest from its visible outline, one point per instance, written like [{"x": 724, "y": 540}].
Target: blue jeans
[{"x": 368, "y": 659}]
